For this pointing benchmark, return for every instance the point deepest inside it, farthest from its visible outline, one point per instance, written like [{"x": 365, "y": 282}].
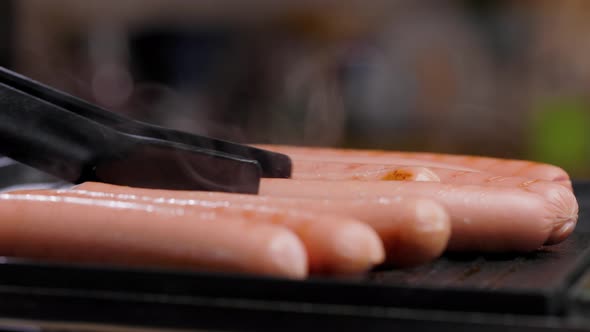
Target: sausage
[
  {"x": 326, "y": 170},
  {"x": 305, "y": 170},
  {"x": 318, "y": 170},
  {"x": 314, "y": 156},
  {"x": 413, "y": 231},
  {"x": 497, "y": 166},
  {"x": 543, "y": 188},
  {"x": 420, "y": 227},
  {"x": 483, "y": 218},
  {"x": 335, "y": 244},
  {"x": 87, "y": 230}
]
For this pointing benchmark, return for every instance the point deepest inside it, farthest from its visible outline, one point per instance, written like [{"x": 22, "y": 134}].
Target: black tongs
[{"x": 78, "y": 141}]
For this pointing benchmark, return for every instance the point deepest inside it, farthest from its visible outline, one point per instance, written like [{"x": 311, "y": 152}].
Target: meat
[
  {"x": 414, "y": 231},
  {"x": 325, "y": 170},
  {"x": 343, "y": 212},
  {"x": 496, "y": 166},
  {"x": 375, "y": 172},
  {"x": 74, "y": 229},
  {"x": 335, "y": 244},
  {"x": 483, "y": 218},
  {"x": 544, "y": 188}
]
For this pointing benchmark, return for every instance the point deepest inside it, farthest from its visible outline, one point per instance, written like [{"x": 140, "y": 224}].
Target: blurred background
[{"x": 504, "y": 78}]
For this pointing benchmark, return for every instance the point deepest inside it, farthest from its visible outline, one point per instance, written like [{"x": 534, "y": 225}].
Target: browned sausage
[
  {"x": 325, "y": 170},
  {"x": 496, "y": 166}
]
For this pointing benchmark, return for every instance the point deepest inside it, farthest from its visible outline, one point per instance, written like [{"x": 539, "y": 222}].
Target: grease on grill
[{"x": 470, "y": 272}]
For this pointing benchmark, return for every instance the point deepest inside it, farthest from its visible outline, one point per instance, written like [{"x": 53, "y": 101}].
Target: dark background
[
  {"x": 5, "y": 32},
  {"x": 503, "y": 78}
]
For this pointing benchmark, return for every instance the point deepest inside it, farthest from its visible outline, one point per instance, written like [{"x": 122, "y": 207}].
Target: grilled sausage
[
  {"x": 505, "y": 167},
  {"x": 318, "y": 170},
  {"x": 376, "y": 172}
]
